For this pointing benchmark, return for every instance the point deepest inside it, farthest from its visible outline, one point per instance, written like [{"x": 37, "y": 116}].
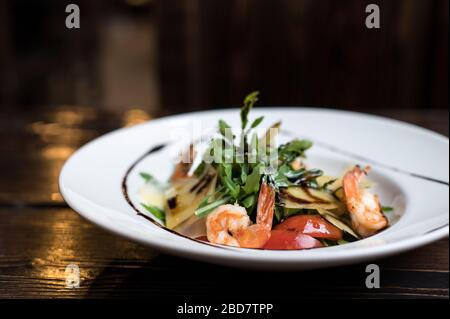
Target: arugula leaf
[
  {"x": 257, "y": 122},
  {"x": 200, "y": 169},
  {"x": 252, "y": 149},
  {"x": 291, "y": 212},
  {"x": 296, "y": 148},
  {"x": 249, "y": 202},
  {"x": 249, "y": 101},
  {"x": 252, "y": 183},
  {"x": 155, "y": 211},
  {"x": 328, "y": 242},
  {"x": 150, "y": 179},
  {"x": 299, "y": 145},
  {"x": 278, "y": 213},
  {"x": 204, "y": 202},
  {"x": 232, "y": 187},
  {"x": 147, "y": 177},
  {"x": 216, "y": 150},
  {"x": 205, "y": 210},
  {"x": 280, "y": 180},
  {"x": 227, "y": 170},
  {"x": 244, "y": 172},
  {"x": 302, "y": 175},
  {"x": 223, "y": 127},
  {"x": 286, "y": 176}
]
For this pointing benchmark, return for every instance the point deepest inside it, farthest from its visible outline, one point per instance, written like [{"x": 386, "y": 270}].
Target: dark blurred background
[
  {"x": 172, "y": 55},
  {"x": 133, "y": 60}
]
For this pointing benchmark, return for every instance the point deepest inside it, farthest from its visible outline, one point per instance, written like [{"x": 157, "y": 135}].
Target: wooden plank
[
  {"x": 37, "y": 244},
  {"x": 34, "y": 144}
]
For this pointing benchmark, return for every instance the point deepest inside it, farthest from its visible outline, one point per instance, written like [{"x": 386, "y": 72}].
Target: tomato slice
[
  {"x": 287, "y": 239},
  {"x": 312, "y": 225}
]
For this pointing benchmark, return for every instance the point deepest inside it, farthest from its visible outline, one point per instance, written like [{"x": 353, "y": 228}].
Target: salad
[{"x": 246, "y": 191}]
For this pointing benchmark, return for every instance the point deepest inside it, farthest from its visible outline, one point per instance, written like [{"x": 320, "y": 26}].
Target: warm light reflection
[
  {"x": 61, "y": 248},
  {"x": 57, "y": 133},
  {"x": 135, "y": 116},
  {"x": 62, "y": 132},
  {"x": 72, "y": 116},
  {"x": 69, "y": 117},
  {"x": 56, "y": 197},
  {"x": 64, "y": 242},
  {"x": 52, "y": 171},
  {"x": 65, "y": 126},
  {"x": 55, "y": 152}
]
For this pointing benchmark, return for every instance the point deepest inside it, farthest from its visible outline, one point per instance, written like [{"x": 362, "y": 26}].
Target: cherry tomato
[
  {"x": 312, "y": 225},
  {"x": 287, "y": 239}
]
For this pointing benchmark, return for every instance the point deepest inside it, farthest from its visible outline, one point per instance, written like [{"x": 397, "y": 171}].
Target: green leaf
[
  {"x": 280, "y": 180},
  {"x": 292, "y": 211},
  {"x": 223, "y": 126},
  {"x": 200, "y": 169},
  {"x": 249, "y": 202},
  {"x": 249, "y": 101},
  {"x": 203, "y": 211},
  {"x": 328, "y": 242},
  {"x": 252, "y": 183},
  {"x": 252, "y": 149},
  {"x": 155, "y": 211},
  {"x": 303, "y": 176},
  {"x": 387, "y": 209},
  {"x": 278, "y": 213},
  {"x": 296, "y": 148},
  {"x": 232, "y": 187},
  {"x": 147, "y": 177},
  {"x": 204, "y": 202},
  {"x": 216, "y": 150},
  {"x": 244, "y": 172},
  {"x": 228, "y": 170},
  {"x": 257, "y": 122}
]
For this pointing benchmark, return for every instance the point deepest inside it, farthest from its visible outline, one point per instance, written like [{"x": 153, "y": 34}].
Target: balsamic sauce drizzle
[
  {"x": 363, "y": 159},
  {"x": 124, "y": 179}
]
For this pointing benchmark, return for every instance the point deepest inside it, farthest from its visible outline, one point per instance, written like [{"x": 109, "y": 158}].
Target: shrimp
[
  {"x": 230, "y": 225},
  {"x": 365, "y": 210},
  {"x": 225, "y": 221}
]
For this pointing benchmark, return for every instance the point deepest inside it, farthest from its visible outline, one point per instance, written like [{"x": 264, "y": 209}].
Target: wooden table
[{"x": 40, "y": 235}]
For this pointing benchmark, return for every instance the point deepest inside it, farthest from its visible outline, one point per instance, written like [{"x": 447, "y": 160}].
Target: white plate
[{"x": 91, "y": 181}]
